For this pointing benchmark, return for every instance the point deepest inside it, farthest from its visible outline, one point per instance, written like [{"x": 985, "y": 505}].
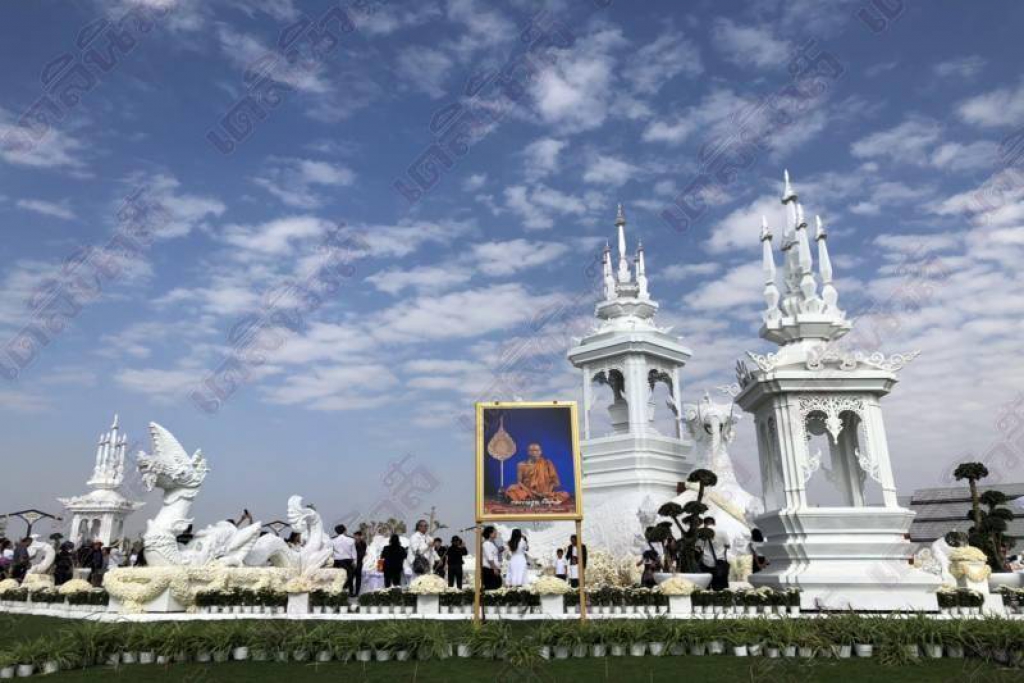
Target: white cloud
[
  {"x": 574, "y": 93},
  {"x": 918, "y": 141},
  {"x": 678, "y": 272},
  {"x": 426, "y": 69},
  {"x": 739, "y": 286},
  {"x": 538, "y": 205},
  {"x": 960, "y": 67},
  {"x": 608, "y": 170},
  {"x": 541, "y": 157},
  {"x": 658, "y": 62},
  {"x": 474, "y": 182},
  {"x": 740, "y": 231},
  {"x": 293, "y": 181},
  {"x": 56, "y": 149},
  {"x": 1000, "y": 107},
  {"x": 469, "y": 313},
  {"x": 46, "y": 208},
  {"x": 749, "y": 45},
  {"x": 186, "y": 212},
  {"x": 274, "y": 238},
  {"x": 498, "y": 259},
  {"x": 246, "y": 51},
  {"x": 425, "y": 278}
]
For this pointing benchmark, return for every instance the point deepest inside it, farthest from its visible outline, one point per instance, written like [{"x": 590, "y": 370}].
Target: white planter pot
[
  {"x": 716, "y": 647},
  {"x": 203, "y": 657},
  {"x": 842, "y": 651},
  {"x": 656, "y": 649},
  {"x": 382, "y": 655},
  {"x": 789, "y": 651},
  {"x": 739, "y": 650},
  {"x": 129, "y": 657},
  {"x": 864, "y": 649},
  {"x": 751, "y": 609},
  {"x": 402, "y": 656},
  {"x": 463, "y": 650},
  {"x": 638, "y": 649},
  {"x": 806, "y": 652},
  {"x": 26, "y": 670},
  {"x": 7, "y": 672},
  {"x": 50, "y": 668},
  {"x": 560, "y": 652},
  {"x": 146, "y": 658},
  {"x": 319, "y": 609},
  {"x": 579, "y": 651},
  {"x": 772, "y": 652},
  {"x": 697, "y": 649},
  {"x": 955, "y": 652},
  {"x": 754, "y": 650},
  {"x": 597, "y": 650},
  {"x": 794, "y": 610},
  {"x": 618, "y": 650},
  {"x": 240, "y": 653},
  {"x": 912, "y": 651},
  {"x": 933, "y": 651},
  {"x": 162, "y": 659},
  {"x": 364, "y": 655},
  {"x": 324, "y": 656},
  {"x": 298, "y": 603}
]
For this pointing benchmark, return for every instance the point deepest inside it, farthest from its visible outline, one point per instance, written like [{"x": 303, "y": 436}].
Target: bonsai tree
[
  {"x": 972, "y": 472},
  {"x": 687, "y": 553},
  {"x": 988, "y": 532}
]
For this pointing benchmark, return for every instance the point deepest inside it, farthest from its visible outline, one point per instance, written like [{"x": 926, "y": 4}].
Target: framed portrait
[{"x": 528, "y": 461}]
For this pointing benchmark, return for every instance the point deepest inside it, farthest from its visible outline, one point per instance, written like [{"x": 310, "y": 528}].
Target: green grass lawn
[
  {"x": 613, "y": 669},
  {"x": 650, "y": 669}
]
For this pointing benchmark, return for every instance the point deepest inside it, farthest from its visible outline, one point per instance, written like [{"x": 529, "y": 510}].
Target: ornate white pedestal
[
  {"x": 679, "y": 604},
  {"x": 843, "y": 558},
  {"x": 298, "y": 603},
  {"x": 552, "y": 604},
  {"x": 428, "y": 604}
]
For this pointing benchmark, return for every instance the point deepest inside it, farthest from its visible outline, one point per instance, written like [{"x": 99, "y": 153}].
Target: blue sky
[{"x": 893, "y": 154}]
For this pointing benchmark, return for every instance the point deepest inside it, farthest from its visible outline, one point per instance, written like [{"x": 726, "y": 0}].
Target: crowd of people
[{"x": 91, "y": 556}]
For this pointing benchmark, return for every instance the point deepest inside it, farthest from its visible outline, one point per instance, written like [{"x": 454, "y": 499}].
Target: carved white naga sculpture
[
  {"x": 180, "y": 477},
  {"x": 712, "y": 426},
  {"x": 41, "y": 555}
]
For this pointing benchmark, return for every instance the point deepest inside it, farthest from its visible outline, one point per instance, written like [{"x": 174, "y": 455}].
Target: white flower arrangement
[
  {"x": 677, "y": 585},
  {"x": 300, "y": 584},
  {"x": 549, "y": 585},
  {"x": 9, "y": 585},
  {"x": 967, "y": 554},
  {"x": 428, "y": 584},
  {"x": 74, "y": 586},
  {"x": 37, "y": 582}
]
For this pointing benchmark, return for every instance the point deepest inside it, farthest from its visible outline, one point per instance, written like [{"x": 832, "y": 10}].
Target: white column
[
  {"x": 637, "y": 393},
  {"x": 587, "y": 389},
  {"x": 792, "y": 450},
  {"x": 844, "y": 461},
  {"x": 676, "y": 393},
  {"x": 880, "y": 445}
]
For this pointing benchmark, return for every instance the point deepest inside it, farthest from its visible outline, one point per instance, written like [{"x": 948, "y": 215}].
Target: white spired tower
[
  {"x": 629, "y": 354},
  {"x": 100, "y": 514},
  {"x": 847, "y": 550}
]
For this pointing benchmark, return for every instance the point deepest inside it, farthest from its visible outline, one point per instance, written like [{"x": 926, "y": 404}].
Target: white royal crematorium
[{"x": 855, "y": 554}]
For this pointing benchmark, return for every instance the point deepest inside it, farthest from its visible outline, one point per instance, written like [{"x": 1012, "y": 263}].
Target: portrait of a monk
[{"x": 536, "y": 479}]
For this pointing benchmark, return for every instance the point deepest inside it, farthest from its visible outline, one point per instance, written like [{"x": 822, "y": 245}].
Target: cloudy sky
[{"x": 480, "y": 273}]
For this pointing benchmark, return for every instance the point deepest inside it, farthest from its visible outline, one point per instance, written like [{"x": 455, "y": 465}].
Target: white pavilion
[
  {"x": 100, "y": 514},
  {"x": 855, "y": 553}
]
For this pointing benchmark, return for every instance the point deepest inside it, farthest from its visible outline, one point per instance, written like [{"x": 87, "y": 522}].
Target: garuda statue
[{"x": 180, "y": 477}]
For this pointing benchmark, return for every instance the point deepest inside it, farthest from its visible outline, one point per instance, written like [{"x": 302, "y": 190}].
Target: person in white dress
[{"x": 517, "y": 547}]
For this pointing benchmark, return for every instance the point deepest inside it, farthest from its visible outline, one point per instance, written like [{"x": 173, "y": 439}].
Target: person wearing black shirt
[
  {"x": 357, "y": 579},
  {"x": 394, "y": 561},
  {"x": 64, "y": 565},
  {"x": 441, "y": 553},
  {"x": 572, "y": 558},
  {"x": 454, "y": 559}
]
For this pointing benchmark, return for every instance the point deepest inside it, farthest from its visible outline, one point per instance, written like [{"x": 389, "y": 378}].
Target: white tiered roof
[{"x": 804, "y": 313}]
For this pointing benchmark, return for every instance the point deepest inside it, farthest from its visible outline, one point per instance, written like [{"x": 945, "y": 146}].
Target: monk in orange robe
[{"x": 536, "y": 479}]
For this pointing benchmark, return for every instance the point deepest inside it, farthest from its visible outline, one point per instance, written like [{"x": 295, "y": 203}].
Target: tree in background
[
  {"x": 687, "y": 553},
  {"x": 988, "y": 532}
]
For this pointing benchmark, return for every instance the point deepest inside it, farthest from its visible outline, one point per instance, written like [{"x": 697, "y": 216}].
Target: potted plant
[
  {"x": 460, "y": 635},
  {"x": 8, "y": 665},
  {"x": 634, "y": 632},
  {"x": 737, "y": 640},
  {"x": 28, "y": 655},
  {"x": 656, "y": 634},
  {"x": 793, "y": 601},
  {"x": 617, "y": 634}
]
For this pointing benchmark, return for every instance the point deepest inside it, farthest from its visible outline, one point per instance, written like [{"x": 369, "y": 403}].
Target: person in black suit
[
  {"x": 394, "y": 561},
  {"x": 357, "y": 578},
  {"x": 453, "y": 560}
]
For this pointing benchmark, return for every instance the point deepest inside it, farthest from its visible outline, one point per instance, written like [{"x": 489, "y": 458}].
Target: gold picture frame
[{"x": 495, "y": 511}]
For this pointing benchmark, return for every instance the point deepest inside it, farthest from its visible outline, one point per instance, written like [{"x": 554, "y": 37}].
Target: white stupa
[
  {"x": 854, "y": 554},
  {"x": 100, "y": 514}
]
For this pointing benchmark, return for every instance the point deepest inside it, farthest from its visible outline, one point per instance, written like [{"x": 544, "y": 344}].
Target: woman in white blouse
[{"x": 517, "y": 547}]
